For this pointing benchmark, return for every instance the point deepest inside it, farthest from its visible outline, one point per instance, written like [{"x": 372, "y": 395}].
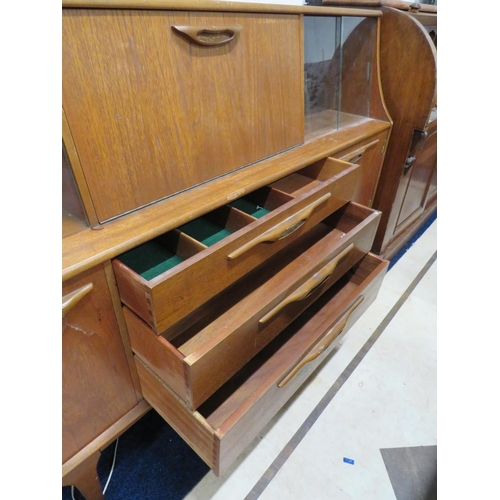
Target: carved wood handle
[
  {"x": 282, "y": 229},
  {"x": 209, "y": 35},
  {"x": 323, "y": 343},
  {"x": 69, "y": 301},
  {"x": 309, "y": 286},
  {"x": 357, "y": 154}
]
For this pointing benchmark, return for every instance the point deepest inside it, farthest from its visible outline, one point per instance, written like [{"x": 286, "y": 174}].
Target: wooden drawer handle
[
  {"x": 69, "y": 301},
  {"x": 309, "y": 286},
  {"x": 209, "y": 35},
  {"x": 357, "y": 154},
  {"x": 323, "y": 343},
  {"x": 282, "y": 230}
]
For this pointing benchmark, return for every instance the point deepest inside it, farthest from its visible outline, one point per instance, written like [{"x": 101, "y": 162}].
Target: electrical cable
[
  {"x": 112, "y": 468},
  {"x": 110, "y": 473}
]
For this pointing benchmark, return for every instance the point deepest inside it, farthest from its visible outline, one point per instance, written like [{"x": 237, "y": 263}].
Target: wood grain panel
[
  {"x": 97, "y": 385},
  {"x": 221, "y": 6},
  {"x": 152, "y": 114},
  {"x": 371, "y": 161},
  {"x": 409, "y": 81},
  {"x": 190, "y": 425},
  {"x": 413, "y": 188}
]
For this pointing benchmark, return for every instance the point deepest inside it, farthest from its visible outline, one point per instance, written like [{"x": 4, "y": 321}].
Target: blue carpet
[
  {"x": 153, "y": 462},
  {"x": 412, "y": 240}
]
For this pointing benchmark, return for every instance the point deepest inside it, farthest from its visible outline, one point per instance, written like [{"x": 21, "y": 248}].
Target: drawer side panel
[{"x": 190, "y": 426}]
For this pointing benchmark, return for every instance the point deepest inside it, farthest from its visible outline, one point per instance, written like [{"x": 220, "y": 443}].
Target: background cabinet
[{"x": 407, "y": 190}]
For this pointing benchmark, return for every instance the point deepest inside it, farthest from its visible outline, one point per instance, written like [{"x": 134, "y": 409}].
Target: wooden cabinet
[
  {"x": 407, "y": 191},
  {"x": 226, "y": 171}
]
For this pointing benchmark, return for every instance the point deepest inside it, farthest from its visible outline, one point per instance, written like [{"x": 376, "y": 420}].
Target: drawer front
[
  {"x": 221, "y": 428},
  {"x": 152, "y": 112},
  {"x": 253, "y": 228},
  {"x": 369, "y": 155},
  {"x": 218, "y": 339}
]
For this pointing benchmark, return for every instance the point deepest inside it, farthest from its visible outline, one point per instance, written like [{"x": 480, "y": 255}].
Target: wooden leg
[{"x": 85, "y": 478}]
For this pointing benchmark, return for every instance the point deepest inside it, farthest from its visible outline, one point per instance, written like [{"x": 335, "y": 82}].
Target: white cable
[
  {"x": 110, "y": 474},
  {"x": 112, "y": 468}
]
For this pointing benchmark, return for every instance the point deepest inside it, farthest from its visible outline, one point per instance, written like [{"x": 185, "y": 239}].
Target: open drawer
[
  {"x": 165, "y": 279},
  {"x": 201, "y": 352},
  {"x": 226, "y": 423}
]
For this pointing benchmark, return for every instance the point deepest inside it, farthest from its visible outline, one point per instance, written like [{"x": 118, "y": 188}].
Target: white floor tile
[{"x": 389, "y": 401}]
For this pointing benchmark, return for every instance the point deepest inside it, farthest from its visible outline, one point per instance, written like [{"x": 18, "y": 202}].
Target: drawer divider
[{"x": 281, "y": 230}]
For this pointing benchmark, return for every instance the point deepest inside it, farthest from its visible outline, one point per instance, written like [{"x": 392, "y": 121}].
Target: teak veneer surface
[
  {"x": 218, "y": 6},
  {"x": 145, "y": 130},
  {"x": 397, "y": 4},
  {"x": 88, "y": 248},
  {"x": 408, "y": 71},
  {"x": 97, "y": 384}
]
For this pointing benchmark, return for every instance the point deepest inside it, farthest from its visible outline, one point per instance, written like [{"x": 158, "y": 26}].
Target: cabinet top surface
[
  {"x": 222, "y": 6},
  {"x": 405, "y": 5}
]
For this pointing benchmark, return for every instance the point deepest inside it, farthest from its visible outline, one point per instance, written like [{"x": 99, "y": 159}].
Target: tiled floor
[{"x": 364, "y": 426}]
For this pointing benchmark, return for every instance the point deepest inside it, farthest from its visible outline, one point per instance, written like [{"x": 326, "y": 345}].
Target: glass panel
[
  {"x": 338, "y": 62},
  {"x": 321, "y": 74},
  {"x": 357, "y": 59},
  {"x": 432, "y": 30},
  {"x": 73, "y": 214}
]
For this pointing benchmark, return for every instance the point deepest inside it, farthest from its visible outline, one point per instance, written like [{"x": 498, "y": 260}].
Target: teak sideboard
[{"x": 220, "y": 164}]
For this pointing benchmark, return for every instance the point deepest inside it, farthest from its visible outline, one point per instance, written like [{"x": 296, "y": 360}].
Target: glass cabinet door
[
  {"x": 73, "y": 213},
  {"x": 321, "y": 73},
  {"x": 338, "y": 64}
]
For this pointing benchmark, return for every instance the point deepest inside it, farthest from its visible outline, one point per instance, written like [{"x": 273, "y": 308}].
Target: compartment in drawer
[
  {"x": 261, "y": 202},
  {"x": 201, "y": 352},
  {"x": 226, "y": 423},
  {"x": 232, "y": 240}
]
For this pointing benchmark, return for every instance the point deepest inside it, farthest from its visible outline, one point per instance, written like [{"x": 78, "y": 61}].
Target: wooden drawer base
[{"x": 227, "y": 422}]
